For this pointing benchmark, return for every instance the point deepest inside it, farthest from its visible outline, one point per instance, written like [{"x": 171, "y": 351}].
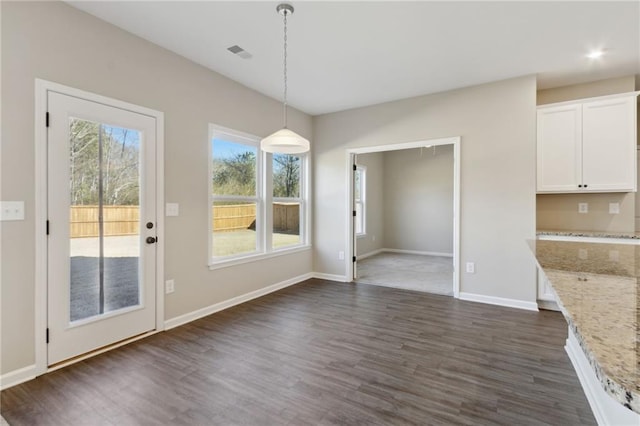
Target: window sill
[{"x": 255, "y": 257}]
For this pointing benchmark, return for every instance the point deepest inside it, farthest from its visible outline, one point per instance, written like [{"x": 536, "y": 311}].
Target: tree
[
  {"x": 113, "y": 165},
  {"x": 235, "y": 175},
  {"x": 286, "y": 176}
]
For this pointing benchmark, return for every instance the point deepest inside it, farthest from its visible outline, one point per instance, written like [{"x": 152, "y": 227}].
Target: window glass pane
[
  {"x": 234, "y": 228},
  {"x": 104, "y": 214},
  {"x": 286, "y": 176},
  {"x": 357, "y": 185},
  {"x": 234, "y": 168},
  {"x": 286, "y": 224}
]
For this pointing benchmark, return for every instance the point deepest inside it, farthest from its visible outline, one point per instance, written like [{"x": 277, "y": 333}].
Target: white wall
[
  {"x": 374, "y": 205},
  {"x": 496, "y": 123},
  {"x": 418, "y": 208},
  {"x": 55, "y": 42}
]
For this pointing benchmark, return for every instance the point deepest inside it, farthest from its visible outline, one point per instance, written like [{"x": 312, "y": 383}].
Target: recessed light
[{"x": 595, "y": 54}]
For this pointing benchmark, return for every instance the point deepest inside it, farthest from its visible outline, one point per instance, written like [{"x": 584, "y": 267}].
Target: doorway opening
[{"x": 403, "y": 215}]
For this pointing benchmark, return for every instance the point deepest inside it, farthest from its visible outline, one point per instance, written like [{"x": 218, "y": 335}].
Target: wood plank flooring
[{"x": 324, "y": 353}]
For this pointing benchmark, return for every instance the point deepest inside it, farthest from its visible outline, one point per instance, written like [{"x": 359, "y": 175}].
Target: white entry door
[{"x": 101, "y": 225}]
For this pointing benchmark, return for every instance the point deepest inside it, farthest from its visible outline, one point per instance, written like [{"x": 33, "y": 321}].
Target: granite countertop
[
  {"x": 597, "y": 290},
  {"x": 593, "y": 234}
]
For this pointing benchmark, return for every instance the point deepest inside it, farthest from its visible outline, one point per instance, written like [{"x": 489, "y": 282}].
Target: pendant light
[{"x": 285, "y": 141}]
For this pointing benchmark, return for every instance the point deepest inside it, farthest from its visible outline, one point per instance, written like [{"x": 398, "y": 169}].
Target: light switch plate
[
  {"x": 172, "y": 209},
  {"x": 11, "y": 210}
]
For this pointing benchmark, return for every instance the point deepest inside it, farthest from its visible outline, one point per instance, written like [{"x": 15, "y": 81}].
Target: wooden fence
[
  {"x": 124, "y": 220},
  {"x": 118, "y": 220}
]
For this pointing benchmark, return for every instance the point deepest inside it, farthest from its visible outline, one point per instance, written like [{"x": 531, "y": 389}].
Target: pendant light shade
[{"x": 285, "y": 141}]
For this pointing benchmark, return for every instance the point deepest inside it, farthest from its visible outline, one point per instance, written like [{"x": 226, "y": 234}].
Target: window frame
[
  {"x": 301, "y": 199},
  {"x": 362, "y": 170},
  {"x": 264, "y": 202}
]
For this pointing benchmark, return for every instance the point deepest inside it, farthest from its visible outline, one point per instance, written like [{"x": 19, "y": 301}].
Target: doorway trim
[
  {"x": 42, "y": 87},
  {"x": 351, "y": 154}
]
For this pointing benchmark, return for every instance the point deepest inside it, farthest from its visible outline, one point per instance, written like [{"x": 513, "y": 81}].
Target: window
[
  {"x": 288, "y": 207},
  {"x": 359, "y": 191},
  {"x": 258, "y": 200}
]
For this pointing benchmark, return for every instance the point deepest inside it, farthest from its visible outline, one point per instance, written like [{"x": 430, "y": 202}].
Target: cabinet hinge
[
  {"x": 354, "y": 213},
  {"x": 355, "y": 168},
  {"x": 354, "y": 258},
  {"x": 47, "y": 119},
  {"x": 47, "y": 335},
  {"x": 47, "y": 227}
]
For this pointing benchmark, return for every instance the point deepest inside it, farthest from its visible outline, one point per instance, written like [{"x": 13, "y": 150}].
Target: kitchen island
[{"x": 596, "y": 288}]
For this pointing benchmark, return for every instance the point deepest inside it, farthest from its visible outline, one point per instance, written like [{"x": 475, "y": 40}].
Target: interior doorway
[{"x": 404, "y": 230}]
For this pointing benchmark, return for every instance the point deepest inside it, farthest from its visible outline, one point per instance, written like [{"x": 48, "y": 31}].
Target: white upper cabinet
[{"x": 587, "y": 146}]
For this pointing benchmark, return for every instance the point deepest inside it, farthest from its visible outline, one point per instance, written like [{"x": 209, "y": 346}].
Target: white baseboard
[
  {"x": 217, "y": 307},
  {"x": 420, "y": 253},
  {"x": 501, "y": 301},
  {"x": 18, "y": 376},
  {"x": 606, "y": 410},
  {"x": 548, "y": 305},
  {"x": 371, "y": 253},
  {"x": 330, "y": 277}
]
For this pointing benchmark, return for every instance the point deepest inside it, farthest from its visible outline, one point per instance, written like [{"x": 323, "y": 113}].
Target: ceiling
[{"x": 350, "y": 54}]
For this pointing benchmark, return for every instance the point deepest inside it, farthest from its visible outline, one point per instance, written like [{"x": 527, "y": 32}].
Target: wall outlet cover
[
  {"x": 583, "y": 207},
  {"x": 614, "y": 208}
]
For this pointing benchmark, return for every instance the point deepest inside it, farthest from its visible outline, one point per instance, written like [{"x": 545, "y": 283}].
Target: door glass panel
[{"x": 104, "y": 213}]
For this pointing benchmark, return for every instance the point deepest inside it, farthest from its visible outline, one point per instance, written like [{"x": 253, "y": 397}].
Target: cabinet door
[
  {"x": 609, "y": 145},
  {"x": 559, "y": 148},
  {"x": 544, "y": 289}
]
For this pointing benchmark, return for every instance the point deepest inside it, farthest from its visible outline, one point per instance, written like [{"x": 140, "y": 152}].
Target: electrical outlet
[
  {"x": 170, "y": 286},
  {"x": 373, "y": 238},
  {"x": 340, "y": 255},
  {"x": 471, "y": 268},
  {"x": 614, "y": 208},
  {"x": 583, "y": 207}
]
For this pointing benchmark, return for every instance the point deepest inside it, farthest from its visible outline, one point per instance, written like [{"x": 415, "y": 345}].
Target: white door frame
[
  {"x": 42, "y": 87},
  {"x": 351, "y": 153}
]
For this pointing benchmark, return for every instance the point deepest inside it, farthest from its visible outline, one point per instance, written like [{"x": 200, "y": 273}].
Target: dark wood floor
[{"x": 324, "y": 353}]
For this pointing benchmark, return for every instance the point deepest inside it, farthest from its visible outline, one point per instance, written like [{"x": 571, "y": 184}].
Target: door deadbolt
[{"x": 149, "y": 225}]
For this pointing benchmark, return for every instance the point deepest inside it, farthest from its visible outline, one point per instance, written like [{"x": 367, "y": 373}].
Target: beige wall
[
  {"x": 418, "y": 208},
  {"x": 496, "y": 123},
  {"x": 374, "y": 238},
  {"x": 586, "y": 90},
  {"x": 55, "y": 42},
  {"x": 560, "y": 211}
]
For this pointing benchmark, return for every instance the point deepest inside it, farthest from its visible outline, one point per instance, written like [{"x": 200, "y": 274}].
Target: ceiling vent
[{"x": 237, "y": 50}]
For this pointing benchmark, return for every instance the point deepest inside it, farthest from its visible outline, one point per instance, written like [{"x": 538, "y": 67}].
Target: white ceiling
[{"x": 349, "y": 54}]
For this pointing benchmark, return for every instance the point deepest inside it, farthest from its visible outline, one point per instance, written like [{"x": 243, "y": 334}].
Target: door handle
[{"x": 151, "y": 240}]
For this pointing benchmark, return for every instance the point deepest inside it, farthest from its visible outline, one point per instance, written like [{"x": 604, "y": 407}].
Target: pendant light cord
[{"x": 284, "y": 105}]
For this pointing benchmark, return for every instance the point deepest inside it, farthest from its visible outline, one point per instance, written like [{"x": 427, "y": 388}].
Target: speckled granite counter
[
  {"x": 597, "y": 290},
  {"x": 592, "y": 234}
]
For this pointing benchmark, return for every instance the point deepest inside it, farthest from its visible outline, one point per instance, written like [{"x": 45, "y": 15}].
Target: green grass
[{"x": 244, "y": 241}]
